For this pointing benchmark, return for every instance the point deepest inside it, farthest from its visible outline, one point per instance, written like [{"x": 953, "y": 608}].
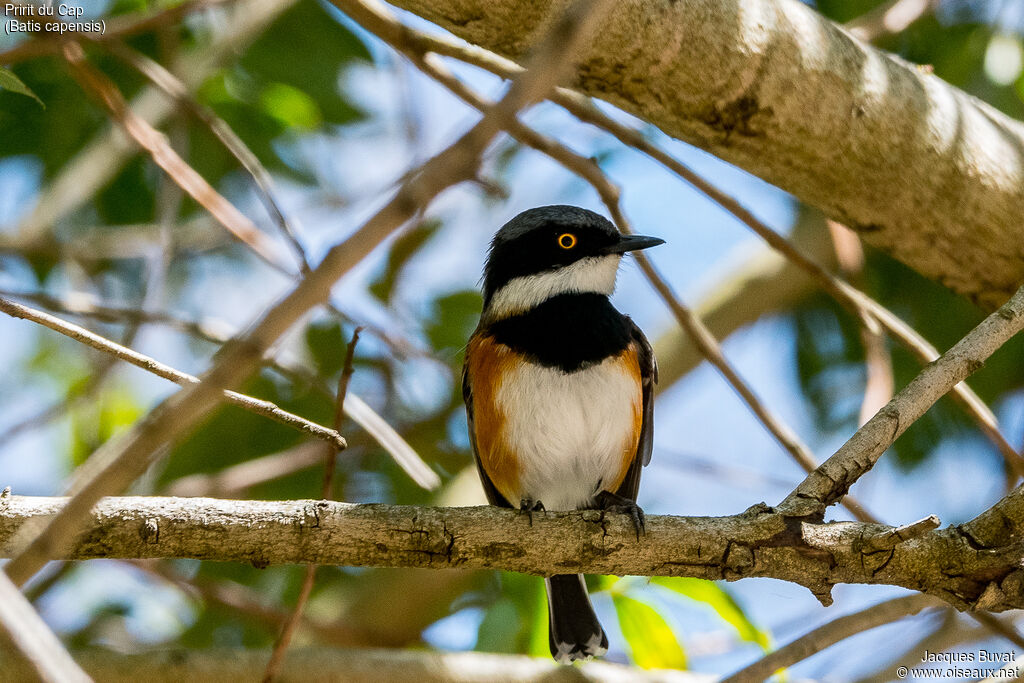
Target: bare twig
[
  {"x": 93, "y": 340},
  {"x": 31, "y": 636},
  {"x": 330, "y": 459},
  {"x": 122, "y": 461},
  {"x": 830, "y": 634},
  {"x": 832, "y": 479}
]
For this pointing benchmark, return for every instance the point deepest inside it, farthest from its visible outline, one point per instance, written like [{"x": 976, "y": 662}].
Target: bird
[{"x": 559, "y": 388}]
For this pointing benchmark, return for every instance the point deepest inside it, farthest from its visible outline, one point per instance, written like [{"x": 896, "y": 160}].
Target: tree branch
[
  {"x": 946, "y": 563},
  {"x": 831, "y": 480},
  {"x": 100, "y": 343}
]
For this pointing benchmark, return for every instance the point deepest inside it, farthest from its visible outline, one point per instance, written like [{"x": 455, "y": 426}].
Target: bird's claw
[
  {"x": 611, "y": 502},
  {"x": 529, "y": 506}
]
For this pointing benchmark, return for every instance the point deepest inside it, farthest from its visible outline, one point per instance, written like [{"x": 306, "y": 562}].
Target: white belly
[{"x": 569, "y": 430}]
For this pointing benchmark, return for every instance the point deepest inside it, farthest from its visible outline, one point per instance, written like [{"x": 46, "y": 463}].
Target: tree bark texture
[
  {"x": 972, "y": 566},
  {"x": 919, "y": 168}
]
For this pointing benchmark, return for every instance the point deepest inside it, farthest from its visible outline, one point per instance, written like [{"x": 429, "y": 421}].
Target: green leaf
[
  {"x": 651, "y": 641},
  {"x": 98, "y": 422},
  {"x": 291, "y": 106},
  {"x": 454, "y": 318},
  {"x": 8, "y": 81},
  {"x": 718, "y": 599},
  {"x": 539, "y": 641},
  {"x": 327, "y": 344},
  {"x": 403, "y": 249}
]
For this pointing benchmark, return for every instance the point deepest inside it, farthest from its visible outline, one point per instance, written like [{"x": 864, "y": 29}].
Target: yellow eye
[{"x": 567, "y": 240}]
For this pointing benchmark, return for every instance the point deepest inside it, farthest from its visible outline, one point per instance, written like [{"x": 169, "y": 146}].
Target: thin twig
[
  {"x": 831, "y": 633},
  {"x": 93, "y": 340},
  {"x": 330, "y": 460},
  {"x": 119, "y": 462},
  {"x": 833, "y": 478}
]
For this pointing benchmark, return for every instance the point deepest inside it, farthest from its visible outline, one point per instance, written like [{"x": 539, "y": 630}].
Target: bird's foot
[
  {"x": 529, "y": 506},
  {"x": 611, "y": 502}
]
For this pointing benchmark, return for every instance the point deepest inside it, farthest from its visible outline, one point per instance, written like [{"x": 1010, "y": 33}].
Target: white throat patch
[{"x": 594, "y": 274}]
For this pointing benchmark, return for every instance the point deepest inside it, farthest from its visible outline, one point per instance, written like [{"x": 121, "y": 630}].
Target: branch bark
[
  {"x": 972, "y": 566},
  {"x": 922, "y": 170}
]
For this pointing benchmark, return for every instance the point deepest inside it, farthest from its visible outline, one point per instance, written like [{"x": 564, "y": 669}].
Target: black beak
[{"x": 633, "y": 243}]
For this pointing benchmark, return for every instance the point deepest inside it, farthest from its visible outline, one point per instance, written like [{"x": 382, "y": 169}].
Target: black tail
[{"x": 573, "y": 629}]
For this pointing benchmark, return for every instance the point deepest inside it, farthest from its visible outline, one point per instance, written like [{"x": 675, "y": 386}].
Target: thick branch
[
  {"x": 947, "y": 563},
  {"x": 921, "y": 169}
]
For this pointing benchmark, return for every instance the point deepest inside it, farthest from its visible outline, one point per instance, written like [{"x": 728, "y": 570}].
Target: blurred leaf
[
  {"x": 403, "y": 249},
  {"x": 845, "y": 10},
  {"x": 306, "y": 49},
  {"x": 652, "y": 643},
  {"x": 60, "y": 360},
  {"x": 8, "y": 81},
  {"x": 96, "y": 422},
  {"x": 290, "y": 106},
  {"x": 721, "y": 601},
  {"x": 517, "y": 621},
  {"x": 500, "y": 628},
  {"x": 327, "y": 344},
  {"x": 454, "y": 319}
]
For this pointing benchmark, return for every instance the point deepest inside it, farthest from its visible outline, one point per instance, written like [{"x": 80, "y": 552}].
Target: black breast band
[{"x": 568, "y": 331}]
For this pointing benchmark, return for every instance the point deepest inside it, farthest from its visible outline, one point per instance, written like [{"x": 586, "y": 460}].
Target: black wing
[
  {"x": 490, "y": 490},
  {"x": 648, "y": 377}
]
